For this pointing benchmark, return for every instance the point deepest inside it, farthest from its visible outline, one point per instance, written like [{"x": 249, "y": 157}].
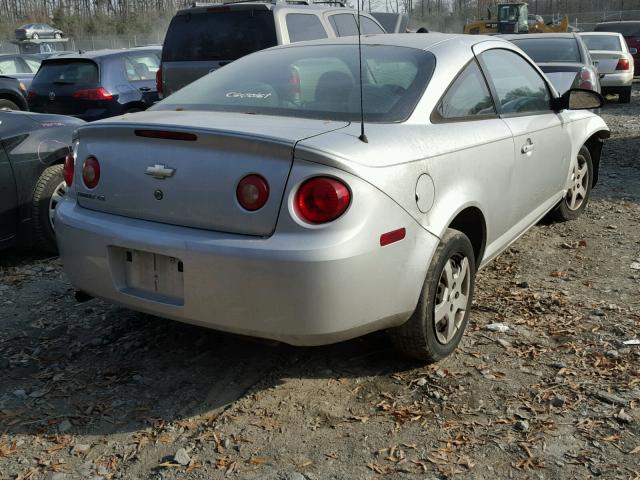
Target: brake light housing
[
  {"x": 91, "y": 172},
  {"x": 252, "y": 192},
  {"x": 322, "y": 200},
  {"x": 623, "y": 64},
  {"x": 92, "y": 94},
  {"x": 68, "y": 169},
  {"x": 586, "y": 80}
]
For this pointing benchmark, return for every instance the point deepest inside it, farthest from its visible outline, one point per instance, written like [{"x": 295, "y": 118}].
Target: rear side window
[
  {"x": 11, "y": 66},
  {"x": 303, "y": 27},
  {"x": 141, "y": 67},
  {"x": 519, "y": 87},
  {"x": 468, "y": 98},
  {"x": 551, "y": 50},
  {"x": 344, "y": 24},
  {"x": 602, "y": 42},
  {"x": 218, "y": 35},
  {"x": 369, "y": 26},
  {"x": 34, "y": 65},
  {"x": 84, "y": 73}
]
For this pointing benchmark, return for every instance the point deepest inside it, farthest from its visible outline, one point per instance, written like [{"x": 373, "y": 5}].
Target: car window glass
[
  {"x": 468, "y": 96},
  {"x": 602, "y": 42},
  {"x": 317, "y": 82},
  {"x": 519, "y": 87},
  {"x": 369, "y": 27},
  {"x": 218, "y": 35},
  {"x": 67, "y": 73},
  {"x": 627, "y": 29},
  {"x": 10, "y": 67},
  {"x": 344, "y": 24},
  {"x": 141, "y": 67},
  {"x": 303, "y": 27},
  {"x": 34, "y": 65},
  {"x": 550, "y": 50}
]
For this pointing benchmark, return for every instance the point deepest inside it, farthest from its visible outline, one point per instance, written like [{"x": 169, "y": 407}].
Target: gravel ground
[{"x": 95, "y": 391}]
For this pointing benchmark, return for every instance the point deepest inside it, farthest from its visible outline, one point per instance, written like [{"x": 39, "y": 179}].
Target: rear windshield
[
  {"x": 602, "y": 42},
  {"x": 630, "y": 29},
  {"x": 314, "y": 82},
  {"x": 218, "y": 35},
  {"x": 73, "y": 72},
  {"x": 551, "y": 50}
]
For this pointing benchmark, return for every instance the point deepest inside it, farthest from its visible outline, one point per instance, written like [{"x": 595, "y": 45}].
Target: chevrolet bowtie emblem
[{"x": 160, "y": 171}]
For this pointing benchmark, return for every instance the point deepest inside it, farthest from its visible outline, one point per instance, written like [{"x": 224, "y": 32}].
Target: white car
[
  {"x": 614, "y": 61},
  {"x": 251, "y": 201}
]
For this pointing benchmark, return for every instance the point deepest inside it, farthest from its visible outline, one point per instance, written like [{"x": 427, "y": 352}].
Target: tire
[
  {"x": 625, "y": 97},
  {"x": 581, "y": 188},
  {"x": 57, "y": 35},
  {"x": 4, "y": 103},
  {"x": 49, "y": 190},
  {"x": 423, "y": 338},
  {"x": 35, "y": 36}
]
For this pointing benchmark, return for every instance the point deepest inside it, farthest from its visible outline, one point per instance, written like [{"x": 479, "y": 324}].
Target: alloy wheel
[
  {"x": 58, "y": 195},
  {"x": 452, "y": 297},
  {"x": 577, "y": 192}
]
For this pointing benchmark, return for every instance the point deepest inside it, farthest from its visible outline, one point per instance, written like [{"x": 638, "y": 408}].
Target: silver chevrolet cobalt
[{"x": 251, "y": 202}]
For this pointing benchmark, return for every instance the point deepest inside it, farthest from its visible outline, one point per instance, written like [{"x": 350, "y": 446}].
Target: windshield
[
  {"x": 508, "y": 13},
  {"x": 602, "y": 42},
  {"x": 551, "y": 50},
  {"x": 218, "y": 35},
  {"x": 314, "y": 82}
]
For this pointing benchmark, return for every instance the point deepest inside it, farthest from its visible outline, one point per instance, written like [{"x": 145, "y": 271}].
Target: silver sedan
[{"x": 251, "y": 201}]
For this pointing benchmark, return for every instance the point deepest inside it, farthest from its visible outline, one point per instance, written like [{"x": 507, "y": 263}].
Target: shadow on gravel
[{"x": 106, "y": 370}]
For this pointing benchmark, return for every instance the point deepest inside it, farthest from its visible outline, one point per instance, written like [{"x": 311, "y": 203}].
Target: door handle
[
  {"x": 528, "y": 147},
  {"x": 144, "y": 89}
]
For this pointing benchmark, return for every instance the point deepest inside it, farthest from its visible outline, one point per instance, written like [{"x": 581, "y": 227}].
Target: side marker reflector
[{"x": 392, "y": 236}]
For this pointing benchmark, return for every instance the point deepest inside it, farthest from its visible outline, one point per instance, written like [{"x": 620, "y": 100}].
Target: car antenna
[{"x": 362, "y": 136}]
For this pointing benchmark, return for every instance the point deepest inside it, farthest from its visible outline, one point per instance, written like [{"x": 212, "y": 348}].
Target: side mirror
[
  {"x": 633, "y": 51},
  {"x": 577, "y": 99}
]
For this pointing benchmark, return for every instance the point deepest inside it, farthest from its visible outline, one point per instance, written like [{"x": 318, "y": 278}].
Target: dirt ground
[{"x": 95, "y": 391}]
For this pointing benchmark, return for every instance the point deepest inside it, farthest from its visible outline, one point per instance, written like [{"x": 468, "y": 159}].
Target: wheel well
[
  {"x": 471, "y": 222},
  {"x": 13, "y": 98},
  {"x": 594, "y": 144}
]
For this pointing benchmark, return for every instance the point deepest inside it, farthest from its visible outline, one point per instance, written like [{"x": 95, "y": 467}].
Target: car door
[
  {"x": 8, "y": 197},
  {"x": 541, "y": 140}
]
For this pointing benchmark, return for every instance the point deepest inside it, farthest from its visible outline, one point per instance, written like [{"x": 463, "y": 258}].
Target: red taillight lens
[
  {"x": 585, "y": 75},
  {"x": 92, "y": 94},
  {"x": 586, "y": 80},
  {"x": 159, "y": 80},
  {"x": 294, "y": 83},
  {"x": 91, "y": 172},
  {"x": 586, "y": 86},
  {"x": 31, "y": 94},
  {"x": 252, "y": 192},
  {"x": 68, "y": 168},
  {"x": 623, "y": 64},
  {"x": 322, "y": 199}
]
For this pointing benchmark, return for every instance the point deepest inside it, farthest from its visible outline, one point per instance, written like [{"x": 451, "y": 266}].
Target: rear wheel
[
  {"x": 577, "y": 197},
  {"x": 625, "y": 96},
  {"x": 57, "y": 35},
  {"x": 49, "y": 191},
  {"x": 35, "y": 36},
  {"x": 438, "y": 322},
  {"x": 4, "y": 103}
]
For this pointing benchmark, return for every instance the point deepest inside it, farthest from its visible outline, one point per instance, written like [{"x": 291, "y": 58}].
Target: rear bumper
[
  {"x": 282, "y": 287},
  {"x": 617, "y": 80}
]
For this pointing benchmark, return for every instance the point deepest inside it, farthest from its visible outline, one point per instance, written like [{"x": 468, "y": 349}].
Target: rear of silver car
[{"x": 150, "y": 237}]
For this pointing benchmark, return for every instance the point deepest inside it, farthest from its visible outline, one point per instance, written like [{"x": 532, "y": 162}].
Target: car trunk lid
[
  {"x": 606, "y": 60},
  {"x": 563, "y": 76},
  {"x": 199, "y": 172}
]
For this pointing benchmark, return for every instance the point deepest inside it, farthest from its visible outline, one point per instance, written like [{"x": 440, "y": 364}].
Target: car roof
[
  {"x": 601, "y": 34},
  {"x": 99, "y": 54},
  {"x": 423, "y": 41}
]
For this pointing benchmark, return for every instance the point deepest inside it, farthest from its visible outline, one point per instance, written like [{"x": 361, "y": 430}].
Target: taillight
[
  {"x": 252, "y": 192},
  {"x": 322, "y": 199},
  {"x": 99, "y": 93},
  {"x": 586, "y": 80},
  {"x": 294, "y": 84},
  {"x": 68, "y": 168},
  {"x": 623, "y": 64},
  {"x": 91, "y": 172},
  {"x": 159, "y": 80},
  {"x": 31, "y": 95}
]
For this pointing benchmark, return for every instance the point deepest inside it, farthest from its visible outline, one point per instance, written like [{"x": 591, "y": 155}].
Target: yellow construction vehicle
[{"x": 514, "y": 18}]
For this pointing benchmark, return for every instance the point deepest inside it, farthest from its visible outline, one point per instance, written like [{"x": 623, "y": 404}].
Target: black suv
[{"x": 203, "y": 38}]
